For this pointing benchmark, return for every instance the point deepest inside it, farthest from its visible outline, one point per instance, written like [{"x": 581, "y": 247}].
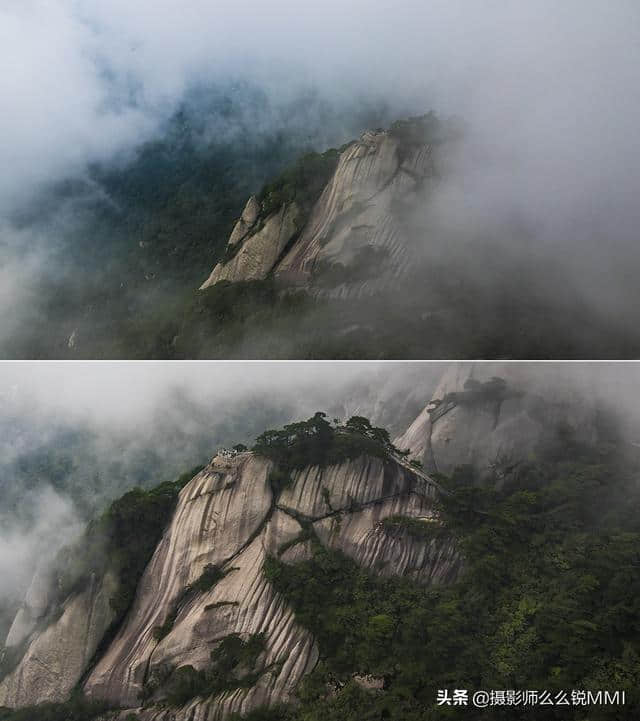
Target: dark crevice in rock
[
  {"x": 147, "y": 667},
  {"x": 356, "y": 506}
]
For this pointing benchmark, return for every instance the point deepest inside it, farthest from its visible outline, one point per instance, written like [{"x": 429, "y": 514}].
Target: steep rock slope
[
  {"x": 343, "y": 504},
  {"x": 493, "y": 415},
  {"x": 354, "y": 240},
  {"x": 356, "y": 228},
  {"x": 259, "y": 247},
  {"x": 205, "y": 586},
  {"x": 218, "y": 513},
  {"x": 58, "y": 649}
]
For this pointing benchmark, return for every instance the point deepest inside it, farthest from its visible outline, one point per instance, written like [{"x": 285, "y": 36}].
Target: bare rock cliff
[
  {"x": 353, "y": 241},
  {"x": 255, "y": 246},
  {"x": 356, "y": 225},
  {"x": 493, "y": 415},
  {"x": 58, "y": 650},
  {"x": 229, "y": 521}
]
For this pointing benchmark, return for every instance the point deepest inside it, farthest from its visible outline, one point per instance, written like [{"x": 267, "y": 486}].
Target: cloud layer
[
  {"x": 83, "y": 79},
  {"x": 547, "y": 92}
]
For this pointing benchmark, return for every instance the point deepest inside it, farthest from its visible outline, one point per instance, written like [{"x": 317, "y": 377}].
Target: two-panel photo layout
[{"x": 319, "y": 360}]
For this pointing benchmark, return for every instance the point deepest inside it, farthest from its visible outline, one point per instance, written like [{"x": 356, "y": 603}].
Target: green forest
[
  {"x": 548, "y": 598},
  {"x": 130, "y": 245}
]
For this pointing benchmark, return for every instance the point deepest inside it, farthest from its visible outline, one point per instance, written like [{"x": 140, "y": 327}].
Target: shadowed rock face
[
  {"x": 228, "y": 516},
  {"x": 474, "y": 420},
  {"x": 354, "y": 241}
]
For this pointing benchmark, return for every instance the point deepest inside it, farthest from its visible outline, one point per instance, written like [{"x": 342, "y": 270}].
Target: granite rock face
[
  {"x": 356, "y": 228},
  {"x": 58, "y": 654},
  {"x": 228, "y": 517},
  {"x": 246, "y": 222},
  {"x": 354, "y": 241},
  {"x": 363, "y": 536},
  {"x": 218, "y": 513},
  {"x": 260, "y": 244},
  {"x": 35, "y": 606},
  {"x": 495, "y": 415}
]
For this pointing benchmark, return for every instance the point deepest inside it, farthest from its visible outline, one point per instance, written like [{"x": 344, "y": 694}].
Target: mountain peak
[{"x": 349, "y": 239}]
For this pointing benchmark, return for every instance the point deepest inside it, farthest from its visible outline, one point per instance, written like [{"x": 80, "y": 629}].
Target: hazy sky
[
  {"x": 128, "y": 393},
  {"x": 84, "y": 78},
  {"x": 131, "y": 393}
]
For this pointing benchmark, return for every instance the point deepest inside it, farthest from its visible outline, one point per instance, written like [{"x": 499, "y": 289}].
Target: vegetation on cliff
[
  {"x": 457, "y": 318},
  {"x": 144, "y": 233},
  {"x": 549, "y": 597},
  {"x": 226, "y": 314},
  {"x": 319, "y": 442},
  {"x": 130, "y": 243},
  {"x": 232, "y": 666},
  {"x": 548, "y": 600},
  {"x": 121, "y": 540},
  {"x": 160, "y": 222},
  {"x": 422, "y": 129},
  {"x": 302, "y": 183}
]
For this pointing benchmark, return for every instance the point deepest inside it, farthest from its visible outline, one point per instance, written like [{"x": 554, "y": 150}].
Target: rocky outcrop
[
  {"x": 227, "y": 523},
  {"x": 218, "y": 513},
  {"x": 34, "y": 609},
  {"x": 472, "y": 419},
  {"x": 246, "y": 222},
  {"x": 58, "y": 650},
  {"x": 364, "y": 537},
  {"x": 243, "y": 603},
  {"x": 317, "y": 492},
  {"x": 261, "y": 244},
  {"x": 354, "y": 241}
]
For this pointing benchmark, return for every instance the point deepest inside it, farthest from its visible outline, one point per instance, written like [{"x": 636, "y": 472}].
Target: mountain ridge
[
  {"x": 338, "y": 505},
  {"x": 352, "y": 219},
  {"x": 329, "y": 566}
]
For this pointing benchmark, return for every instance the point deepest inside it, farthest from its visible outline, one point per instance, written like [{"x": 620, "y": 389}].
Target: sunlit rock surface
[
  {"x": 260, "y": 247},
  {"x": 227, "y": 516},
  {"x": 355, "y": 240}
]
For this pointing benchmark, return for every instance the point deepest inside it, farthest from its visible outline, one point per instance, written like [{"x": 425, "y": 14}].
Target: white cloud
[{"x": 548, "y": 91}]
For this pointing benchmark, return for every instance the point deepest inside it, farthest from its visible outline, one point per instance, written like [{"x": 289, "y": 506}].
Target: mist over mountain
[
  {"x": 496, "y": 533},
  {"x": 145, "y": 131},
  {"x": 74, "y": 437},
  {"x": 104, "y": 264}
]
